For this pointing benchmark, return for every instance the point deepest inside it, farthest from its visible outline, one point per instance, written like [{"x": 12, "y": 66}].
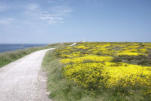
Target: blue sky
[{"x": 49, "y": 21}]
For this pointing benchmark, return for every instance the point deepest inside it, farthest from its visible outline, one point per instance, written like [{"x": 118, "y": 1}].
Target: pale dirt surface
[{"x": 24, "y": 80}]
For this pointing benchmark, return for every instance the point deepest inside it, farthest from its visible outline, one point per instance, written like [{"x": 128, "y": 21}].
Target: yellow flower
[
  {"x": 89, "y": 58},
  {"x": 90, "y": 65}
]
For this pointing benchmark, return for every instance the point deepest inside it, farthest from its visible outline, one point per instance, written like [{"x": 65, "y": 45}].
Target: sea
[{"x": 13, "y": 47}]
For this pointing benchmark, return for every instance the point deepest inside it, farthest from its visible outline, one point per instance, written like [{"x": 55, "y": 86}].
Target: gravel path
[{"x": 23, "y": 80}]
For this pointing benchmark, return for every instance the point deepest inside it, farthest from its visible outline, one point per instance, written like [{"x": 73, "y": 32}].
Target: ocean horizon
[{"x": 13, "y": 47}]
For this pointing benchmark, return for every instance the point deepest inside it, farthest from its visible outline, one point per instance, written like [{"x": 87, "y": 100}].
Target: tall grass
[
  {"x": 8, "y": 57},
  {"x": 64, "y": 90},
  {"x": 11, "y": 56},
  {"x": 60, "y": 88}
]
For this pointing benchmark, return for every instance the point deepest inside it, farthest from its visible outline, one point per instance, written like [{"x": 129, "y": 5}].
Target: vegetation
[
  {"x": 94, "y": 71},
  {"x": 11, "y": 56}
]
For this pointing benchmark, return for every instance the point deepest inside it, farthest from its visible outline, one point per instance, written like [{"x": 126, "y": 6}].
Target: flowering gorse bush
[
  {"x": 88, "y": 58},
  {"x": 93, "y": 65}
]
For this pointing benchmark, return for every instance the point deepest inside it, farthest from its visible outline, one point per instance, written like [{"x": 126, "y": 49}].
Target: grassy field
[
  {"x": 8, "y": 57},
  {"x": 95, "y": 71}
]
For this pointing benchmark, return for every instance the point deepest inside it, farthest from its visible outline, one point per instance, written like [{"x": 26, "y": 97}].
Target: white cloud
[
  {"x": 51, "y": 19},
  {"x": 50, "y": 15},
  {"x": 6, "y": 21},
  {"x": 35, "y": 13}
]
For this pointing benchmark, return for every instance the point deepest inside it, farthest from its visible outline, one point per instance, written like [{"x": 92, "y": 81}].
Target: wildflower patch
[{"x": 107, "y": 65}]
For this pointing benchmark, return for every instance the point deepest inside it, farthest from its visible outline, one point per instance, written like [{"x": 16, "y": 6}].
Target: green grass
[
  {"x": 60, "y": 88},
  {"x": 63, "y": 90},
  {"x": 7, "y": 57}
]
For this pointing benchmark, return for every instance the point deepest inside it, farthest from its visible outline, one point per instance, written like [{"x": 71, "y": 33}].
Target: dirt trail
[{"x": 23, "y": 80}]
